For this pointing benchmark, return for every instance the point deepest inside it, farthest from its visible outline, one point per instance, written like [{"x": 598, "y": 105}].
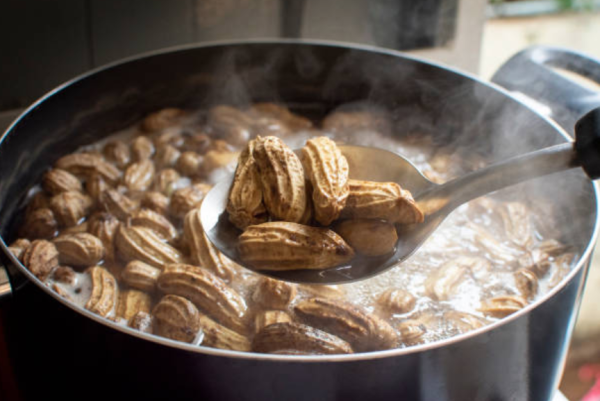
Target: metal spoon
[{"x": 436, "y": 201}]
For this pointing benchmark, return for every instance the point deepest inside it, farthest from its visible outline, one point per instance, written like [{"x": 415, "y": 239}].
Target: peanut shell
[
  {"x": 289, "y": 246},
  {"x": 327, "y": 170},
  {"x": 282, "y": 179}
]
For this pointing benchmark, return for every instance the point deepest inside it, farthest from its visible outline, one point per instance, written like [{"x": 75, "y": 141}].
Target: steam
[
  {"x": 463, "y": 119},
  {"x": 238, "y": 83}
]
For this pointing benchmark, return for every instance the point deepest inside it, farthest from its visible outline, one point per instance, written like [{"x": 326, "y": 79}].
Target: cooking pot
[{"x": 59, "y": 349}]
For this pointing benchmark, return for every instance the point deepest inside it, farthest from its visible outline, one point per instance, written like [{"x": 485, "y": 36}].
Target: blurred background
[{"x": 44, "y": 43}]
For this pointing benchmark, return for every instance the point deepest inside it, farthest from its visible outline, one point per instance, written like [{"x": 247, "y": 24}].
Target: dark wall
[{"x": 44, "y": 43}]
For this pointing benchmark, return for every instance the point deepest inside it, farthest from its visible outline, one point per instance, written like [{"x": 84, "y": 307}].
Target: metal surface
[
  {"x": 536, "y": 74},
  {"x": 494, "y": 364},
  {"x": 5, "y": 288},
  {"x": 6, "y": 117},
  {"x": 365, "y": 164},
  {"x": 559, "y": 397},
  {"x": 519, "y": 357},
  {"x": 436, "y": 202}
]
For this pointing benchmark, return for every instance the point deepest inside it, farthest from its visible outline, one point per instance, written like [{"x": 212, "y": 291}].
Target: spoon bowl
[
  {"x": 365, "y": 163},
  {"x": 436, "y": 201}
]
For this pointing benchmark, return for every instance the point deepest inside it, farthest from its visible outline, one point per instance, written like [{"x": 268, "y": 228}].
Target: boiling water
[{"x": 474, "y": 229}]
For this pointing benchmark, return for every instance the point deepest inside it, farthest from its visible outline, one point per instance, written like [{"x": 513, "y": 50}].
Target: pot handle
[{"x": 532, "y": 73}]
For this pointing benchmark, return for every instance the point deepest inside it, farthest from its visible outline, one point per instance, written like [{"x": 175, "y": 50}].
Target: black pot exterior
[{"x": 54, "y": 347}]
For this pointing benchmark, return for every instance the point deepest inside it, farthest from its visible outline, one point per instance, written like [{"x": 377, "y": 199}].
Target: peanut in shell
[
  {"x": 327, "y": 170},
  {"x": 381, "y": 200},
  {"x": 282, "y": 179},
  {"x": 290, "y": 246}
]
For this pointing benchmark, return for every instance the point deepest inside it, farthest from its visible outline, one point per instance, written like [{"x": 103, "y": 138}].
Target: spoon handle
[
  {"x": 509, "y": 172},
  {"x": 584, "y": 152}
]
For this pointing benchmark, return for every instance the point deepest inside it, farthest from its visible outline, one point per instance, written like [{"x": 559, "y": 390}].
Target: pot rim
[{"x": 583, "y": 259}]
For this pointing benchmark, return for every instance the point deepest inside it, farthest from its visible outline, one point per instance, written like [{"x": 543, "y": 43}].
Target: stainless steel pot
[{"x": 55, "y": 344}]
